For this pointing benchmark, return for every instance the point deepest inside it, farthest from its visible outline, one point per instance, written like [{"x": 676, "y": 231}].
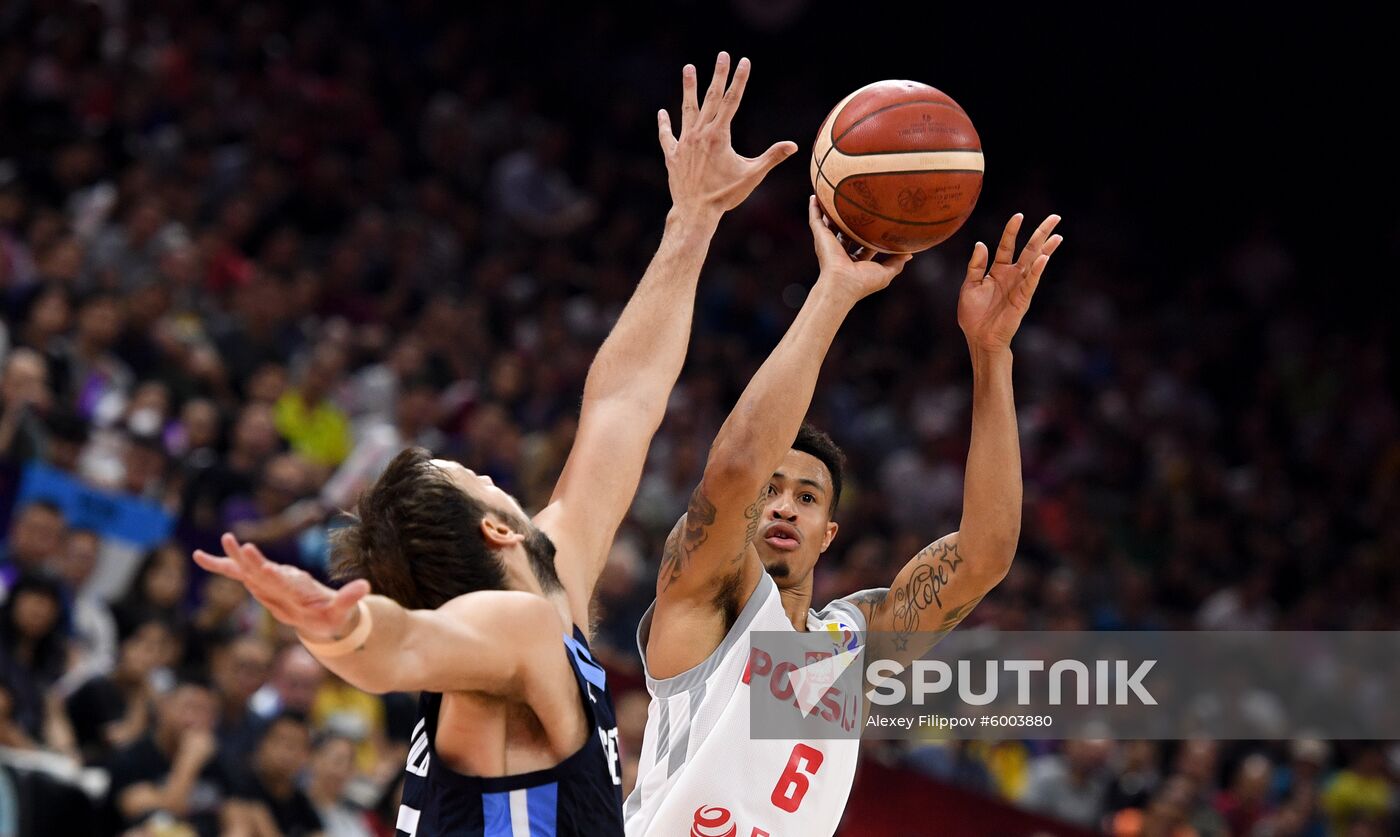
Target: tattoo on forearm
[
  {"x": 688, "y": 537},
  {"x": 950, "y": 621},
  {"x": 935, "y": 566},
  {"x": 957, "y": 614}
]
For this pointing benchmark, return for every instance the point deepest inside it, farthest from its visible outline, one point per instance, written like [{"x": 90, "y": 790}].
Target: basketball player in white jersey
[
  {"x": 484, "y": 610},
  {"x": 742, "y": 557}
]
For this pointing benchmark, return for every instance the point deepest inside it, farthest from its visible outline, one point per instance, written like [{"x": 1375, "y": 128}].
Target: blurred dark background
[{"x": 249, "y": 250}]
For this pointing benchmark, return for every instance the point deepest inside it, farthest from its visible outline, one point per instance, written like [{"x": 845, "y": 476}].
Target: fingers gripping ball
[{"x": 897, "y": 165}]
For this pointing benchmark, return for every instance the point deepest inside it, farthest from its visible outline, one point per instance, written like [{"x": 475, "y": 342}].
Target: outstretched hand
[
  {"x": 859, "y": 275},
  {"x": 704, "y": 170},
  {"x": 291, "y": 595},
  {"x": 994, "y": 299}
]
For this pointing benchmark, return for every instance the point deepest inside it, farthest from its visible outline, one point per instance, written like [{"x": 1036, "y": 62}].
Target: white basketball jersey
[{"x": 701, "y": 774}]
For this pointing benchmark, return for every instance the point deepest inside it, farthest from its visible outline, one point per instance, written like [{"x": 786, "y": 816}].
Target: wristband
[{"x": 345, "y": 645}]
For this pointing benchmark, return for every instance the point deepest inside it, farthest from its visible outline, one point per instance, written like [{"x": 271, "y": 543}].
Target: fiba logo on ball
[{"x": 711, "y": 821}]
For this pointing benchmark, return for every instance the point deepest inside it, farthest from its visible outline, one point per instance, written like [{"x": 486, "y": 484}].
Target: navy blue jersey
[{"x": 582, "y": 795}]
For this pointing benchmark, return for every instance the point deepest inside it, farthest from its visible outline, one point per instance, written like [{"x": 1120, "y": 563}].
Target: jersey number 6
[{"x": 793, "y": 784}]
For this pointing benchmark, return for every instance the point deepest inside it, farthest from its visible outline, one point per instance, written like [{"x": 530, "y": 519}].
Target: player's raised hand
[
  {"x": 292, "y": 596},
  {"x": 705, "y": 172},
  {"x": 994, "y": 299},
  {"x": 859, "y": 275}
]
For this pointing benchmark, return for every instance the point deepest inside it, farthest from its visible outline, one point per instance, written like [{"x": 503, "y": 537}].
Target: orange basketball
[{"x": 897, "y": 166}]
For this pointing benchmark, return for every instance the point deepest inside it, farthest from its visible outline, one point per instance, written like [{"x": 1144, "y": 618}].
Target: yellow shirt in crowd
[{"x": 320, "y": 433}]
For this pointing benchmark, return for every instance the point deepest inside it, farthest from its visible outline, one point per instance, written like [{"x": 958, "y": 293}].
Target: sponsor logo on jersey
[
  {"x": 713, "y": 821},
  {"x": 843, "y": 636}
]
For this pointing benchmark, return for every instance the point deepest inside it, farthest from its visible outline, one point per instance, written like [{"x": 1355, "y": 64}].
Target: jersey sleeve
[{"x": 846, "y": 614}]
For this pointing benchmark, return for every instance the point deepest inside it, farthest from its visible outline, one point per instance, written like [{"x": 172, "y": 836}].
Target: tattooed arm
[
  {"x": 710, "y": 545},
  {"x": 945, "y": 581},
  {"x": 935, "y": 591}
]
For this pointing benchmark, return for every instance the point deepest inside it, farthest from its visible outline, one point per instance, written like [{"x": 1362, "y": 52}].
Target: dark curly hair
[
  {"x": 812, "y": 441},
  {"x": 416, "y": 537}
]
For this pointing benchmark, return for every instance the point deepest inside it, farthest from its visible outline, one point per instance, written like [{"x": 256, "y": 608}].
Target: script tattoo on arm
[
  {"x": 688, "y": 536},
  {"x": 752, "y": 514},
  {"x": 934, "y": 568}
]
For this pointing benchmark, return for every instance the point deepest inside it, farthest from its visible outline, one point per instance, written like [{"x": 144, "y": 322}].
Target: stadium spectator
[
  {"x": 222, "y": 612},
  {"x": 1360, "y": 798},
  {"x": 97, "y": 379},
  {"x": 33, "y": 649},
  {"x": 1136, "y": 777},
  {"x": 94, "y": 633},
  {"x": 237, "y": 669},
  {"x": 158, "y": 586},
  {"x": 1073, "y": 785},
  {"x": 1198, "y": 766},
  {"x": 296, "y": 678},
  {"x": 277, "y": 510},
  {"x": 35, "y": 540},
  {"x": 1297, "y": 787},
  {"x": 331, "y": 768},
  {"x": 173, "y": 771},
  {"x": 1165, "y": 815},
  {"x": 112, "y": 711},
  {"x": 1246, "y": 802},
  {"x": 412, "y": 424},
  {"x": 270, "y": 785},
  {"x": 24, "y": 398},
  {"x": 349, "y": 712},
  {"x": 210, "y": 486},
  {"x": 68, "y": 435},
  {"x": 306, "y": 417}
]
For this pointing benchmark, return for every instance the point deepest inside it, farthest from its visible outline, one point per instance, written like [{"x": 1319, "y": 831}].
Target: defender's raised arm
[{"x": 631, "y": 378}]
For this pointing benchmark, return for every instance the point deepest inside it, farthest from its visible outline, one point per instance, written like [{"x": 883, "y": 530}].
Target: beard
[
  {"x": 777, "y": 569},
  {"x": 540, "y": 550}
]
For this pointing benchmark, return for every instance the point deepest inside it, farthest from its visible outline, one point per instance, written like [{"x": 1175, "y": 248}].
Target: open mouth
[{"x": 781, "y": 536}]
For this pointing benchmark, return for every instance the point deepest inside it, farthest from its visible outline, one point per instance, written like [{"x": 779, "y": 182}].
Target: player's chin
[
  {"x": 777, "y": 569},
  {"x": 775, "y": 563}
]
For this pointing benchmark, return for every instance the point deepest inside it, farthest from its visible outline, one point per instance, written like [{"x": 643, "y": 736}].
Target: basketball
[{"x": 897, "y": 166}]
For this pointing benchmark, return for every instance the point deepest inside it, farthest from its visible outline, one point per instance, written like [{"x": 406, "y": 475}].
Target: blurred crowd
[{"x": 248, "y": 251}]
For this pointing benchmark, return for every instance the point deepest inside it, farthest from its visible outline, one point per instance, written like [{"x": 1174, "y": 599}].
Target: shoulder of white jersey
[{"x": 748, "y": 619}]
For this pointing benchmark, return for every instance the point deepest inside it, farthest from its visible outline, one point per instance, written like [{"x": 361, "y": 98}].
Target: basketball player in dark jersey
[{"x": 483, "y": 609}]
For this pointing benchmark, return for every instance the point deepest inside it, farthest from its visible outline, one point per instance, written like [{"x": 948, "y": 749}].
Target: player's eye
[
  {"x": 772, "y": 491},
  {"x": 808, "y": 498}
]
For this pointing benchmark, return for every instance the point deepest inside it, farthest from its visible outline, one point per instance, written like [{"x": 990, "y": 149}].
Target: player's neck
[
  {"x": 797, "y": 599},
  {"x": 520, "y": 577}
]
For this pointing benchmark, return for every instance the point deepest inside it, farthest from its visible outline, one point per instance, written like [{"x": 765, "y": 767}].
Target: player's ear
[
  {"x": 497, "y": 532},
  {"x": 831, "y": 529}
]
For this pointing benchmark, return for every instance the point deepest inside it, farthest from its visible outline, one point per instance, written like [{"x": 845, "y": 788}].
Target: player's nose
[{"x": 782, "y": 510}]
